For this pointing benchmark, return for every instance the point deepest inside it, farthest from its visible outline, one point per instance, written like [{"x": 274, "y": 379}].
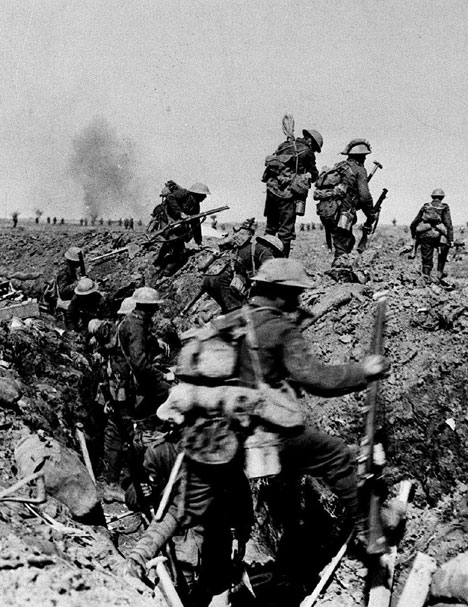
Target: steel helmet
[
  {"x": 199, "y": 188},
  {"x": 274, "y": 241},
  {"x": 165, "y": 192},
  {"x": 284, "y": 272},
  {"x": 73, "y": 254},
  {"x": 127, "y": 306},
  {"x": 86, "y": 286},
  {"x": 357, "y": 146},
  {"x": 438, "y": 193},
  {"x": 146, "y": 296},
  {"x": 316, "y": 136}
]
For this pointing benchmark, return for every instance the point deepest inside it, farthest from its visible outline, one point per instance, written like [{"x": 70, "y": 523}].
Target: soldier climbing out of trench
[
  {"x": 432, "y": 229},
  {"x": 272, "y": 352},
  {"x": 178, "y": 204},
  {"x": 228, "y": 280}
]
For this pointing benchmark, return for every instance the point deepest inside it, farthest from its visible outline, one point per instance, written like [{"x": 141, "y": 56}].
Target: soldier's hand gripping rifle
[
  {"x": 370, "y": 470},
  {"x": 371, "y": 223}
]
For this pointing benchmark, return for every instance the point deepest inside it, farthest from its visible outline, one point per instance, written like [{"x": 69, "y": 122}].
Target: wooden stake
[
  {"x": 382, "y": 574},
  {"x": 419, "y": 580}
]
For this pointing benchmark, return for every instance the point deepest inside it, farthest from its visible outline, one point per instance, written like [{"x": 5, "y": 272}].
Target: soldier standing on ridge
[
  {"x": 68, "y": 274},
  {"x": 432, "y": 228},
  {"x": 288, "y": 175},
  {"x": 357, "y": 197}
]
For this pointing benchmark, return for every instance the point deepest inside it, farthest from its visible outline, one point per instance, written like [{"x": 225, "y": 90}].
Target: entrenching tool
[
  {"x": 377, "y": 165},
  {"x": 6, "y": 494},
  {"x": 167, "y": 587},
  {"x": 84, "y": 450}
]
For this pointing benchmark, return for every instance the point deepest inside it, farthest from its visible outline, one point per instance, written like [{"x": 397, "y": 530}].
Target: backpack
[
  {"x": 331, "y": 188},
  {"x": 210, "y": 355},
  {"x": 432, "y": 214}
]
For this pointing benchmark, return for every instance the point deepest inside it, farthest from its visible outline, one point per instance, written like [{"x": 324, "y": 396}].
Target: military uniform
[
  {"x": 214, "y": 499},
  {"x": 230, "y": 292},
  {"x": 358, "y": 197},
  {"x": 284, "y": 354},
  {"x": 431, "y": 234},
  {"x": 178, "y": 202},
  {"x": 67, "y": 278},
  {"x": 82, "y": 309},
  {"x": 280, "y": 204}
]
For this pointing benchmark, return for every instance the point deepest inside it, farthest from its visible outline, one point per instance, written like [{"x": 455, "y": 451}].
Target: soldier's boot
[{"x": 426, "y": 270}]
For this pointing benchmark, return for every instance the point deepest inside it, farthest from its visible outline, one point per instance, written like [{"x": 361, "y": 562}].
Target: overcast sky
[{"x": 198, "y": 88}]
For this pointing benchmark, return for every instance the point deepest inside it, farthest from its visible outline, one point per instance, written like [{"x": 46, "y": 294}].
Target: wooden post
[
  {"x": 419, "y": 580},
  {"x": 382, "y": 574}
]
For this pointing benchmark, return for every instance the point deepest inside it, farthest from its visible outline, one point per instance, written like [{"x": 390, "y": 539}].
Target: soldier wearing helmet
[
  {"x": 243, "y": 256},
  {"x": 432, "y": 229},
  {"x": 85, "y": 305},
  {"x": 284, "y": 354},
  {"x": 288, "y": 175},
  {"x": 180, "y": 203},
  {"x": 69, "y": 273},
  {"x": 144, "y": 379},
  {"x": 357, "y": 196}
]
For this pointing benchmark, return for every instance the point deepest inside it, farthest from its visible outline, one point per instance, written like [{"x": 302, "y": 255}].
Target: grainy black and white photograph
[{"x": 233, "y": 303}]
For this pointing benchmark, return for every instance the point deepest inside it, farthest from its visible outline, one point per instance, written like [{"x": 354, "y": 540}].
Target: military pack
[
  {"x": 331, "y": 188},
  {"x": 432, "y": 214}
]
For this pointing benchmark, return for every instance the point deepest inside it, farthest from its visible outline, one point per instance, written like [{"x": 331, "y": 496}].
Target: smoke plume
[{"x": 104, "y": 165}]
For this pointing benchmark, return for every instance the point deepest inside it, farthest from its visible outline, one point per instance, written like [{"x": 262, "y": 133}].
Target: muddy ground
[{"x": 423, "y": 414}]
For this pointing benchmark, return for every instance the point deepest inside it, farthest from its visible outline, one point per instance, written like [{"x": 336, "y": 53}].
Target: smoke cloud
[{"x": 104, "y": 165}]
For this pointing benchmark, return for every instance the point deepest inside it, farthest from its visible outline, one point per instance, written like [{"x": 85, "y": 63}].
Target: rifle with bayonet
[
  {"x": 371, "y": 223},
  {"x": 371, "y": 458}
]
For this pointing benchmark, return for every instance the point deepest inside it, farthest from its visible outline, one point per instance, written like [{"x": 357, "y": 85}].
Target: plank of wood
[
  {"x": 419, "y": 580},
  {"x": 380, "y": 592},
  {"x": 22, "y": 310}
]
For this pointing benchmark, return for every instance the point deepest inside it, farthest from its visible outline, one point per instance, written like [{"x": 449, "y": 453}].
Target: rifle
[
  {"x": 82, "y": 263},
  {"x": 370, "y": 225},
  {"x": 414, "y": 249},
  {"x": 181, "y": 222},
  {"x": 370, "y": 471}
]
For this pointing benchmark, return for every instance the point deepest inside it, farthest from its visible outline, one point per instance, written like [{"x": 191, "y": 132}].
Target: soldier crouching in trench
[{"x": 281, "y": 353}]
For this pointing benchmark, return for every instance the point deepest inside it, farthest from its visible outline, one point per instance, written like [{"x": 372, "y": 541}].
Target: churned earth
[{"x": 52, "y": 560}]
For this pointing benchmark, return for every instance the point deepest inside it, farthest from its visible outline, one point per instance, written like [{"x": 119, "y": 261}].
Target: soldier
[
  {"x": 288, "y": 175},
  {"x": 85, "y": 305},
  {"x": 229, "y": 288},
  {"x": 139, "y": 350},
  {"x": 68, "y": 274},
  {"x": 357, "y": 197},
  {"x": 283, "y": 354},
  {"x": 180, "y": 204},
  {"x": 432, "y": 229}
]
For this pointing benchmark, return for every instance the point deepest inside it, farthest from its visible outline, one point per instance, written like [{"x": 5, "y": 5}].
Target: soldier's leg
[
  {"x": 272, "y": 215},
  {"x": 427, "y": 253},
  {"x": 442, "y": 259},
  {"x": 318, "y": 454},
  {"x": 343, "y": 242},
  {"x": 219, "y": 288},
  {"x": 287, "y": 224}
]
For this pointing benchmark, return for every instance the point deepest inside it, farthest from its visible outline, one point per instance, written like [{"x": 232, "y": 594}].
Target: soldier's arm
[
  {"x": 65, "y": 285},
  {"x": 415, "y": 222},
  {"x": 365, "y": 197},
  {"x": 310, "y": 166},
  {"x": 447, "y": 220},
  {"x": 174, "y": 205},
  {"x": 316, "y": 377}
]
